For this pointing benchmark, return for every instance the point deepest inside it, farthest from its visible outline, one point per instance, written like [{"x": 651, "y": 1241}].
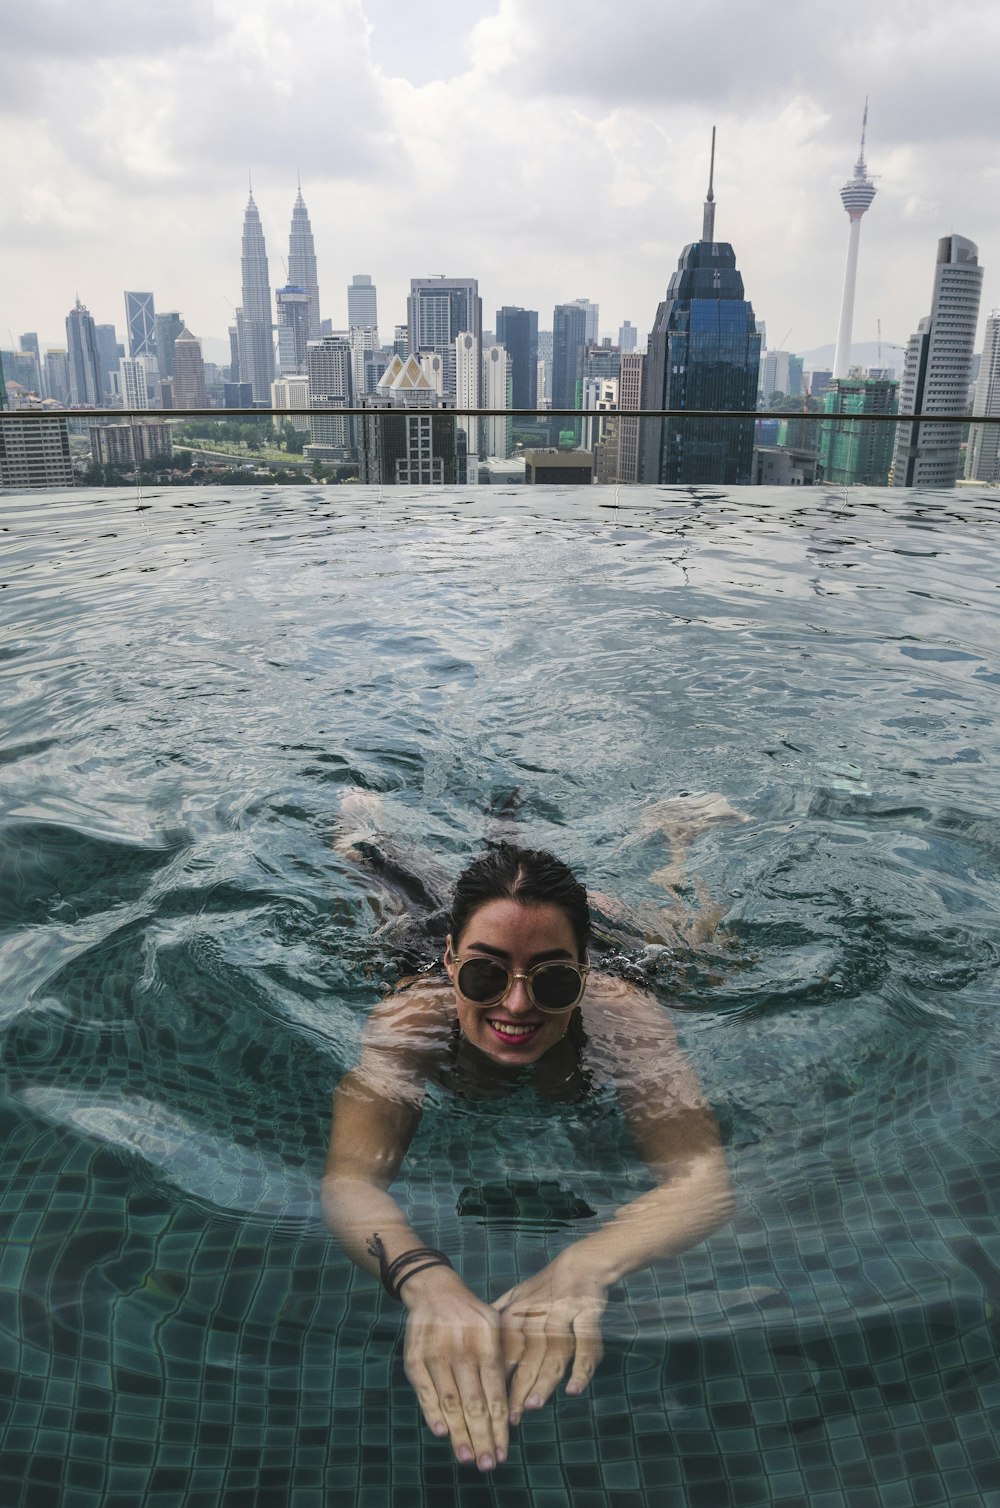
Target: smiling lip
[{"x": 514, "y": 1038}]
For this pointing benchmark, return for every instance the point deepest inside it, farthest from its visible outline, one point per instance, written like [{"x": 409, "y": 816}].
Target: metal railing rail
[{"x": 165, "y": 415}]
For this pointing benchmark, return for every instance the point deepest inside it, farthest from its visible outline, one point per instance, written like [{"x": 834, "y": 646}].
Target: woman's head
[
  {"x": 529, "y": 876},
  {"x": 521, "y": 910}
]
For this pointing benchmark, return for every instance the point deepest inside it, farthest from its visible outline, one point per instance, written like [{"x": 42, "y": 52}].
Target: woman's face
[{"x": 519, "y": 937}]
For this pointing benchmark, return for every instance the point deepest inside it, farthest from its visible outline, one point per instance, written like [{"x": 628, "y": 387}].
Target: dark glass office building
[
  {"x": 569, "y": 340},
  {"x": 517, "y": 332},
  {"x": 704, "y": 353}
]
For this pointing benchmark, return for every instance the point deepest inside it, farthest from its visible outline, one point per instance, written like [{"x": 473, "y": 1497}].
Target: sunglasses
[{"x": 552, "y": 987}]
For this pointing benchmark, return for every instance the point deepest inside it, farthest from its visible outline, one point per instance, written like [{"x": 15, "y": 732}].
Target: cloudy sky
[{"x": 554, "y": 149}]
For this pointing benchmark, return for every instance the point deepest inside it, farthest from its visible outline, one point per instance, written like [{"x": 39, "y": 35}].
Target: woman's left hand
[{"x": 546, "y": 1323}]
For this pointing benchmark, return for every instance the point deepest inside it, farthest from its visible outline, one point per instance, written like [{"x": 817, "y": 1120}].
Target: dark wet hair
[{"x": 530, "y": 876}]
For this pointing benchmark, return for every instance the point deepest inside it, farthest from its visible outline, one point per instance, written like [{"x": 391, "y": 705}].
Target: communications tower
[{"x": 856, "y": 196}]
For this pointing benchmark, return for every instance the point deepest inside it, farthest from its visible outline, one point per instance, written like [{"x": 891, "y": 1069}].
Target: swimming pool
[{"x": 191, "y": 683}]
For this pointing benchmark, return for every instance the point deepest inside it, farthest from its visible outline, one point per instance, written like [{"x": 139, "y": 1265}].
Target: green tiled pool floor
[{"x": 161, "y": 1356}]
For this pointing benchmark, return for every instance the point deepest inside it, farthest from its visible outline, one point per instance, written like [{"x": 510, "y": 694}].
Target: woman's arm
[
  {"x": 554, "y": 1318},
  {"x": 453, "y": 1353}
]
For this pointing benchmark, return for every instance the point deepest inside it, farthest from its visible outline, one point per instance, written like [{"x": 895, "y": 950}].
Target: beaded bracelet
[{"x": 390, "y": 1272}]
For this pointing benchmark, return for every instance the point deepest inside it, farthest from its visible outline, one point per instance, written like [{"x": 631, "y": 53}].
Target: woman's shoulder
[{"x": 414, "y": 1016}]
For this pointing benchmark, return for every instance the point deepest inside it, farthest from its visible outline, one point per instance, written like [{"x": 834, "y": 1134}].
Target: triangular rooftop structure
[
  {"x": 390, "y": 374},
  {"x": 411, "y": 377}
]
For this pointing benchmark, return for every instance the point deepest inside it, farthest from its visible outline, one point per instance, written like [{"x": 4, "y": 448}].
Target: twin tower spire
[{"x": 254, "y": 321}]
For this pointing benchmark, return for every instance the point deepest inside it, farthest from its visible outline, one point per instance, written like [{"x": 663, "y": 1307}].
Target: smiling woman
[{"x": 519, "y": 993}]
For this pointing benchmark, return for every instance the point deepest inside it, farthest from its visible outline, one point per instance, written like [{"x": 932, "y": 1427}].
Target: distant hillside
[{"x": 864, "y": 353}]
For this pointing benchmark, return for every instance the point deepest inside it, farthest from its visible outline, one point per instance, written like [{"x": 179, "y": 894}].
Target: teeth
[{"x": 507, "y": 1030}]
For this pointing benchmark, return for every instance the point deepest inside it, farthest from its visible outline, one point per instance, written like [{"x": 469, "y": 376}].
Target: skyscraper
[
  {"x": 496, "y": 393},
  {"x": 294, "y": 310},
  {"x": 592, "y": 312},
  {"x": 517, "y": 332},
  {"x": 362, "y": 303},
  {"x": 438, "y": 310},
  {"x": 856, "y": 195},
  {"x": 936, "y": 370},
  {"x": 301, "y": 262},
  {"x": 628, "y": 338},
  {"x": 85, "y": 385},
  {"x": 857, "y": 454},
  {"x": 109, "y": 354},
  {"x": 56, "y": 374},
  {"x": 331, "y": 386},
  {"x": 703, "y": 353},
  {"x": 166, "y": 328},
  {"x": 467, "y": 376},
  {"x": 569, "y": 339},
  {"x": 140, "y": 316},
  {"x": 189, "y": 372},
  {"x": 256, "y": 339},
  {"x": 982, "y": 459},
  {"x": 133, "y": 381}
]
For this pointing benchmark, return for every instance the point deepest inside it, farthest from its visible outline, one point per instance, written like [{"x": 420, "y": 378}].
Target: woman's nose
[{"x": 518, "y": 1002}]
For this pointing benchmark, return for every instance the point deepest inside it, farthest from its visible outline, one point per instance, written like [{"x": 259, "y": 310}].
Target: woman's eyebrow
[{"x": 501, "y": 953}]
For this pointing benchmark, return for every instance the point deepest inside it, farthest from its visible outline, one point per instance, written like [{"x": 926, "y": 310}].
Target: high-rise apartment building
[
  {"x": 438, "y": 310},
  {"x": 703, "y": 353},
  {"x": 293, "y": 306},
  {"x": 857, "y": 454},
  {"x": 302, "y": 263},
  {"x": 628, "y": 430},
  {"x": 189, "y": 372},
  {"x": 982, "y": 458},
  {"x": 34, "y": 452},
  {"x": 467, "y": 375},
  {"x": 166, "y": 328},
  {"x": 569, "y": 340},
  {"x": 289, "y": 393},
  {"x": 85, "y": 384},
  {"x": 133, "y": 380},
  {"x": 856, "y": 196},
  {"x": 254, "y": 322},
  {"x": 517, "y": 332},
  {"x": 781, "y": 372},
  {"x": 362, "y": 303},
  {"x": 496, "y": 391},
  {"x": 140, "y": 324},
  {"x": 331, "y": 387},
  {"x": 365, "y": 353},
  {"x": 936, "y": 370}
]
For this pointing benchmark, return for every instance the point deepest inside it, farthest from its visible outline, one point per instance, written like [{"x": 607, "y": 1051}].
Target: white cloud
[{"x": 552, "y": 150}]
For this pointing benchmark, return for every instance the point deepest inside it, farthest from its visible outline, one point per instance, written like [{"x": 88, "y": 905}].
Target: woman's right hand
[{"x": 454, "y": 1362}]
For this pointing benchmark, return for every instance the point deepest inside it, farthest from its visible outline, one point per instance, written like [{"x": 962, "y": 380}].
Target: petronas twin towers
[{"x": 254, "y": 321}]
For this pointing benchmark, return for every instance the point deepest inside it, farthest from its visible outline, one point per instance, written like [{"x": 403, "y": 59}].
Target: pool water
[{"x": 190, "y": 684}]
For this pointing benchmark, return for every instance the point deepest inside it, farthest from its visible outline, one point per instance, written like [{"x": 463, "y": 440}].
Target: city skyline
[{"x": 587, "y": 176}]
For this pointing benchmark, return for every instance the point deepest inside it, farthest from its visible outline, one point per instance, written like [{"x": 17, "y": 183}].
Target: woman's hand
[
  {"x": 454, "y": 1362},
  {"x": 548, "y": 1322}
]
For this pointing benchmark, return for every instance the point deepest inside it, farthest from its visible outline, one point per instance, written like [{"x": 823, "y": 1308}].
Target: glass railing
[{"x": 443, "y": 445}]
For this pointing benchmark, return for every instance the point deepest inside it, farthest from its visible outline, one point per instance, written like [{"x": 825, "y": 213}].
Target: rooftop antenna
[{"x": 708, "y": 220}]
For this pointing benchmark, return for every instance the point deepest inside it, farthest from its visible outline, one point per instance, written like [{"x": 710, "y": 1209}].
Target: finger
[
  {"x": 589, "y": 1350},
  {"x": 491, "y": 1375},
  {"x": 525, "y": 1373},
  {"x": 478, "y": 1419},
  {"x": 558, "y": 1355},
  {"x": 427, "y": 1396},
  {"x": 452, "y": 1406}
]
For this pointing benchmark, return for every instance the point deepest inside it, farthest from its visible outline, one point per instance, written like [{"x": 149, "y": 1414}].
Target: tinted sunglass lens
[
  {"x": 482, "y": 981},
  {"x": 556, "y": 987}
]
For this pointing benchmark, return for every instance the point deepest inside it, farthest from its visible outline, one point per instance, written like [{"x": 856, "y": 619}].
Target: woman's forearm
[
  {"x": 357, "y": 1210},
  {"x": 668, "y": 1219}
]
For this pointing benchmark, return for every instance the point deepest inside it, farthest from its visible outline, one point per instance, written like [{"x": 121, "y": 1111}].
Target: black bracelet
[{"x": 389, "y": 1272}]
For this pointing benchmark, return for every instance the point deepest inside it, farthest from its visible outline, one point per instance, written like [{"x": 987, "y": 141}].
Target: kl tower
[{"x": 856, "y": 195}]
